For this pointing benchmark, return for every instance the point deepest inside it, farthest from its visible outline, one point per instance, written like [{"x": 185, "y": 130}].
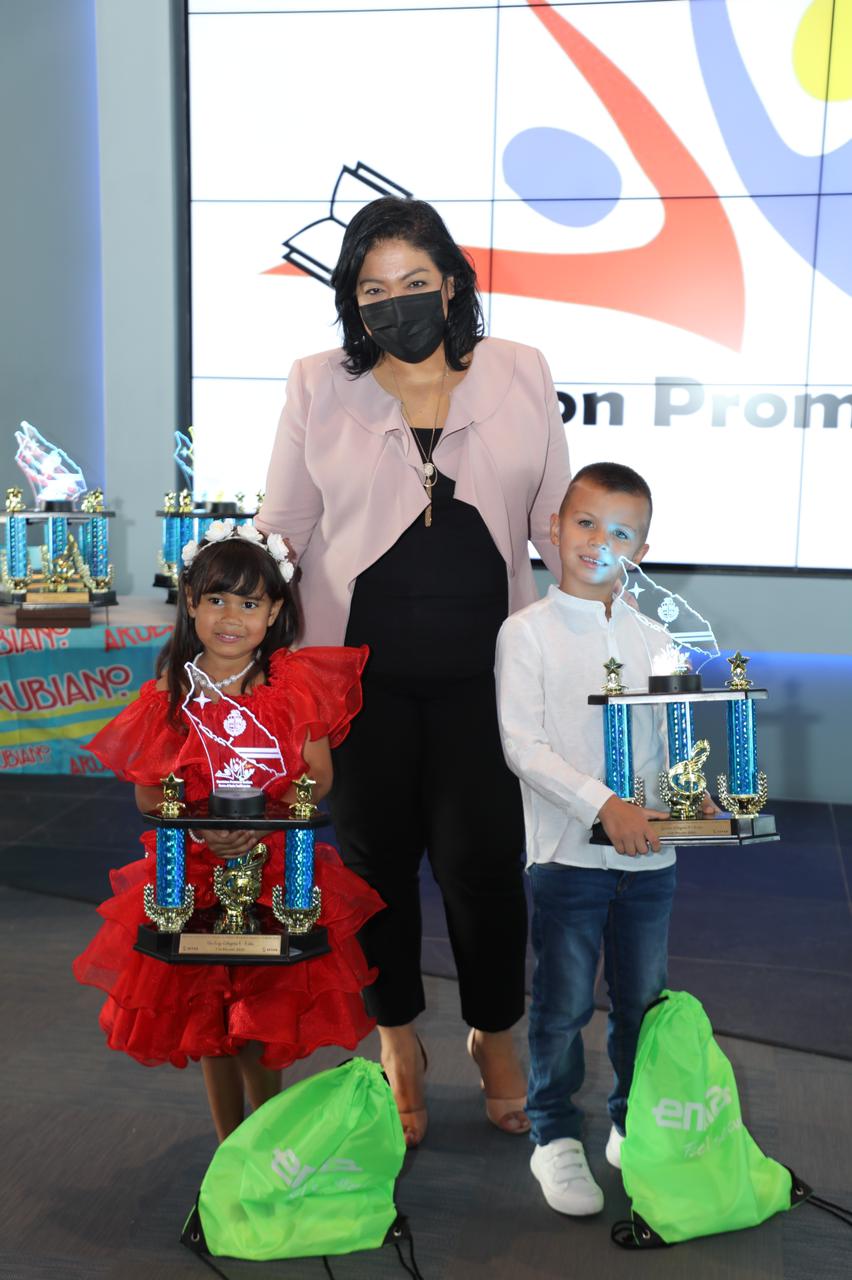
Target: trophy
[
  {"x": 74, "y": 572},
  {"x": 185, "y": 520},
  {"x": 244, "y": 759},
  {"x": 683, "y": 642}
]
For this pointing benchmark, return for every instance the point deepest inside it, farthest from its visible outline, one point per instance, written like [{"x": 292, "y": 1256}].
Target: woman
[{"x": 409, "y": 471}]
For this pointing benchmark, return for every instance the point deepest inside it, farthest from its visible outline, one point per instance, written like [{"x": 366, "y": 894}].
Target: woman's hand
[{"x": 230, "y": 844}]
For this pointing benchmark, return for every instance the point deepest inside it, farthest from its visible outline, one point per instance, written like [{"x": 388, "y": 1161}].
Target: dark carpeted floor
[{"x": 102, "y": 1158}]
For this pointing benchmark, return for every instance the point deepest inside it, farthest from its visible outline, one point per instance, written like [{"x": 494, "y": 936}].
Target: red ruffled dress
[{"x": 158, "y": 1012}]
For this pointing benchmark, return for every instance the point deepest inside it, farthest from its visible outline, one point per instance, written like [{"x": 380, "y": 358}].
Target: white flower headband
[{"x": 222, "y": 530}]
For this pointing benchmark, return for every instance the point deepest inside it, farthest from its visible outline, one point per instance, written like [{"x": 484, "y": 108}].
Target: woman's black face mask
[{"x": 410, "y": 328}]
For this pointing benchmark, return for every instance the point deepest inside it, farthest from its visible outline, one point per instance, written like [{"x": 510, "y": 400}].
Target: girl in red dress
[{"x": 236, "y": 618}]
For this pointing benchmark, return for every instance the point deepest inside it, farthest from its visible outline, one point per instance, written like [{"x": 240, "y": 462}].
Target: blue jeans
[{"x": 573, "y": 909}]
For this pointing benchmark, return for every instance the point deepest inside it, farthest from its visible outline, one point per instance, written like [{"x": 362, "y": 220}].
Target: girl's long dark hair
[
  {"x": 418, "y": 223},
  {"x": 236, "y": 567}
]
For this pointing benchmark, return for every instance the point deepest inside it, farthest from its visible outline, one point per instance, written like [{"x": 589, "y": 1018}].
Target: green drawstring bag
[
  {"x": 310, "y": 1173},
  {"x": 689, "y": 1165}
]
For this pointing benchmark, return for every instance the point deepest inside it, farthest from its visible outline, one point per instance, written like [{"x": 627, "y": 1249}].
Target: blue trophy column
[
  {"x": 681, "y": 731},
  {"x": 742, "y": 748},
  {"x": 299, "y": 869},
  {"x": 17, "y": 563},
  {"x": 171, "y": 867},
  {"x": 185, "y": 533},
  {"x": 618, "y": 749},
  {"x": 57, "y": 536},
  {"x": 98, "y": 548},
  {"x": 171, "y": 539}
]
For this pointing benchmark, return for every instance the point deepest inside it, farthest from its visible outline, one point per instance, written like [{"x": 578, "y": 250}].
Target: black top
[{"x": 432, "y": 605}]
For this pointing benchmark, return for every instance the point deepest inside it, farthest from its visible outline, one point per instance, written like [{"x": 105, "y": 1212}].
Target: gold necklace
[{"x": 430, "y": 473}]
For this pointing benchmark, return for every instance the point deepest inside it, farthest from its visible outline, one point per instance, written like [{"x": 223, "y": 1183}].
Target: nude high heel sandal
[
  {"x": 414, "y": 1120},
  {"x": 506, "y": 1114}
]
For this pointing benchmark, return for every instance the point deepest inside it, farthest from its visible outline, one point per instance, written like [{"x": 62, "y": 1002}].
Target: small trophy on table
[
  {"x": 245, "y": 760},
  {"x": 675, "y": 685}
]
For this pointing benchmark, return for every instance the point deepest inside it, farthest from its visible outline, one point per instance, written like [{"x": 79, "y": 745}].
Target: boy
[{"x": 550, "y": 657}]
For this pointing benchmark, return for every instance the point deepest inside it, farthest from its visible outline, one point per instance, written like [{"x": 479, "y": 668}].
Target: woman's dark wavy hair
[
  {"x": 417, "y": 222},
  {"x": 240, "y": 568}
]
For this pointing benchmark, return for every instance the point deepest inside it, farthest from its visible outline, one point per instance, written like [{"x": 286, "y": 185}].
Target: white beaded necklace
[{"x": 220, "y": 684}]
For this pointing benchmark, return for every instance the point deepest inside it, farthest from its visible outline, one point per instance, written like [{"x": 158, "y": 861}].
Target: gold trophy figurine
[
  {"x": 682, "y": 787},
  {"x": 613, "y": 684},
  {"x": 237, "y": 885}
]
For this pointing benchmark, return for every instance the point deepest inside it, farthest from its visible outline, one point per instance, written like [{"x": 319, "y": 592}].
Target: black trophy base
[
  {"x": 198, "y": 944},
  {"x": 164, "y": 580},
  {"x": 59, "y": 506},
  {"x": 101, "y": 599},
  {"x": 726, "y": 828},
  {"x": 685, "y": 682},
  {"x": 237, "y": 802},
  {"x": 276, "y": 817}
]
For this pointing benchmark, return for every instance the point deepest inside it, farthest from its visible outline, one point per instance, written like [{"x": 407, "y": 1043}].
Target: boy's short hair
[{"x": 615, "y": 478}]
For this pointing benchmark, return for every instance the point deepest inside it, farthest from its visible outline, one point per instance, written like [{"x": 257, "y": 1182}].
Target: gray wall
[
  {"x": 90, "y": 239},
  {"x": 50, "y": 347},
  {"x": 143, "y": 246}
]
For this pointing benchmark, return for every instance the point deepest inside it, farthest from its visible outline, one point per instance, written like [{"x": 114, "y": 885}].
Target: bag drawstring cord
[
  {"x": 839, "y": 1211},
  {"x": 412, "y": 1270}
]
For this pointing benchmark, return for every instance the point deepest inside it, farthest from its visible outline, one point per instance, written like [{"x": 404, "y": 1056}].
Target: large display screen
[{"x": 656, "y": 193}]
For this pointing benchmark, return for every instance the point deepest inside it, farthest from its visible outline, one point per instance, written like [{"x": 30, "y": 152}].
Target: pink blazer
[{"x": 343, "y": 479}]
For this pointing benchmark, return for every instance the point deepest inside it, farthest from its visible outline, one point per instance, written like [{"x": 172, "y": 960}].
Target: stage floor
[{"x": 102, "y": 1158}]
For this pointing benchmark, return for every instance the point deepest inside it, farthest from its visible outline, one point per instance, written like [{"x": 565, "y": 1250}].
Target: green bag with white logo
[
  {"x": 690, "y": 1167},
  {"x": 310, "y": 1173}
]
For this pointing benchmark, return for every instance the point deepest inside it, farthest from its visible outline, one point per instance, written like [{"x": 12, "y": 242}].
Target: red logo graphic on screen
[{"x": 690, "y": 275}]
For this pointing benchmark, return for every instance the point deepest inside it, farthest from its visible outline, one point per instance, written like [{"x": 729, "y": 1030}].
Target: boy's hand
[
  {"x": 630, "y": 829},
  {"x": 709, "y": 808},
  {"x": 230, "y": 844}
]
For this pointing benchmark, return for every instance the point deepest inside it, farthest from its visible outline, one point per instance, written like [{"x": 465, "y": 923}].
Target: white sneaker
[
  {"x": 568, "y": 1186},
  {"x": 613, "y": 1147}
]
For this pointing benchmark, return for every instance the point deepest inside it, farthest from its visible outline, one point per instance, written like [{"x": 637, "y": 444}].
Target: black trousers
[{"x": 422, "y": 770}]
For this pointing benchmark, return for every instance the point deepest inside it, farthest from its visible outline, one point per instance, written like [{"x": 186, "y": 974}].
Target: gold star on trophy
[
  {"x": 613, "y": 680},
  {"x": 171, "y": 805},
  {"x": 739, "y": 679},
  {"x": 303, "y": 806}
]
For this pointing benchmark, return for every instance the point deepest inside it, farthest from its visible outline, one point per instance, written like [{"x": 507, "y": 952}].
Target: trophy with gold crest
[
  {"x": 244, "y": 760},
  {"x": 680, "y": 642}
]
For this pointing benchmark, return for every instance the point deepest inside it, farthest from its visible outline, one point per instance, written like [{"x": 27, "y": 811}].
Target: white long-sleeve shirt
[{"x": 550, "y": 657}]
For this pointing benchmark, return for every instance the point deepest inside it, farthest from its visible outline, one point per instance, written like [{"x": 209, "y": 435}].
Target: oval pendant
[{"x": 428, "y": 470}]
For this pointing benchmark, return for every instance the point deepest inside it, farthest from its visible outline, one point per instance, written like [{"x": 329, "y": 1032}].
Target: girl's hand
[{"x": 230, "y": 844}]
